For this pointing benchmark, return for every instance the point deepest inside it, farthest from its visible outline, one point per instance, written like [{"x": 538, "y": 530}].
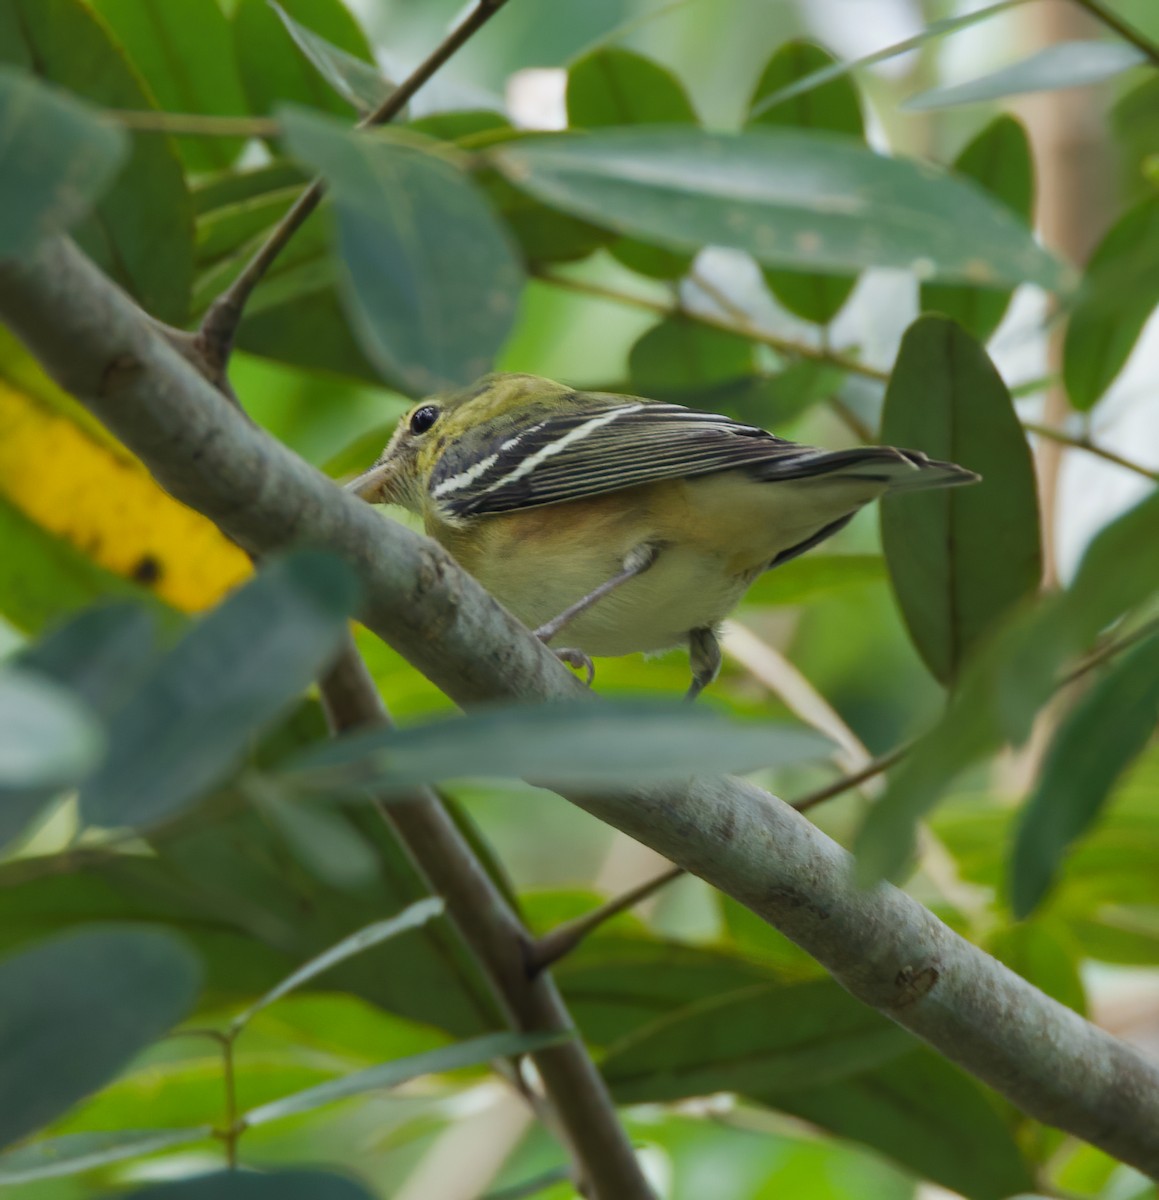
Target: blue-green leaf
[
  {"x": 48, "y": 739},
  {"x": 1063, "y": 65},
  {"x": 411, "y": 917},
  {"x": 249, "y": 1185},
  {"x": 190, "y": 722},
  {"x": 789, "y": 198},
  {"x": 77, "y": 1152},
  {"x": 432, "y": 278},
  {"x": 56, "y": 157},
  {"x": 356, "y": 81},
  {"x": 74, "y": 1009},
  {"x": 390, "y": 1074},
  {"x": 572, "y": 742}
]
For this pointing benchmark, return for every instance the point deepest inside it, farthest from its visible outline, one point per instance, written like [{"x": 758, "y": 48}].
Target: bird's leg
[
  {"x": 636, "y": 562},
  {"x": 704, "y": 656}
]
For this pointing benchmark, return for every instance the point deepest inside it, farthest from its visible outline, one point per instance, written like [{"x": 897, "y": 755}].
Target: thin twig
[
  {"x": 1126, "y": 31},
  {"x": 1082, "y": 442},
  {"x": 233, "y": 1129},
  {"x": 875, "y": 767},
  {"x": 785, "y": 345},
  {"x": 563, "y": 939},
  {"x": 219, "y": 325},
  {"x": 1108, "y": 650}
]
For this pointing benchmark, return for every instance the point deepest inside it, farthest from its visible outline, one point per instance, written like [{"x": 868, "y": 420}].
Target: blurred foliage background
[{"x": 258, "y": 886}]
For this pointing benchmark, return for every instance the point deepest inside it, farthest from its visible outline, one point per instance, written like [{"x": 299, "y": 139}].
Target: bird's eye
[{"x": 423, "y": 418}]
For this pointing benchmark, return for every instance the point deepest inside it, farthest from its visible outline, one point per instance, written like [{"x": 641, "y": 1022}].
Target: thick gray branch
[{"x": 883, "y": 946}]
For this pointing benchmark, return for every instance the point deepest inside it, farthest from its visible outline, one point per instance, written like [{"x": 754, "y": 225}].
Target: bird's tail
[{"x": 899, "y": 470}]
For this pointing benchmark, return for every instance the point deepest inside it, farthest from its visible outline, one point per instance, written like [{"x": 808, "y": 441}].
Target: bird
[{"x": 613, "y": 524}]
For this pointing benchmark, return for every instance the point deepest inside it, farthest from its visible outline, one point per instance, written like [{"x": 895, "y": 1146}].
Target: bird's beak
[{"x": 371, "y": 485}]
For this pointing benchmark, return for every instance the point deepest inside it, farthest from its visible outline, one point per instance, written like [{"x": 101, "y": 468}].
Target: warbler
[{"x": 616, "y": 524}]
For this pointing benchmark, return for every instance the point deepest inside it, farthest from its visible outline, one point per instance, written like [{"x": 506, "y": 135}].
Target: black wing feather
[{"x": 611, "y": 444}]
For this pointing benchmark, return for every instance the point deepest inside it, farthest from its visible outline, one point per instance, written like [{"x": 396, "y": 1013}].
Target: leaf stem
[
  {"x": 1082, "y": 442},
  {"x": 563, "y": 939},
  {"x": 219, "y": 325},
  {"x": 1125, "y": 30}
]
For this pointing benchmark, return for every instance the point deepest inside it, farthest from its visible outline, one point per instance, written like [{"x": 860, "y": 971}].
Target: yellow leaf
[{"x": 100, "y": 499}]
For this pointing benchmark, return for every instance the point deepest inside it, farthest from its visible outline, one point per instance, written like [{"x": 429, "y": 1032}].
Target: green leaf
[
  {"x": 764, "y": 1038},
  {"x": 1134, "y": 121},
  {"x": 804, "y": 579},
  {"x": 231, "y": 886},
  {"x": 935, "y": 29},
  {"x": 185, "y": 54},
  {"x": 612, "y": 86},
  {"x": 232, "y": 187},
  {"x": 274, "y": 70},
  {"x": 433, "y": 281},
  {"x": 616, "y": 985},
  {"x": 959, "y": 559},
  {"x": 190, "y": 722},
  {"x": 576, "y": 743},
  {"x": 319, "y": 838},
  {"x": 412, "y": 917},
  {"x": 1117, "y": 572},
  {"x": 230, "y": 228},
  {"x": 1119, "y": 293},
  {"x": 924, "y": 1114},
  {"x": 48, "y": 739},
  {"x": 1040, "y": 956},
  {"x": 1109, "y": 726},
  {"x": 1010, "y": 678},
  {"x": 833, "y": 106},
  {"x": 390, "y": 1074},
  {"x": 683, "y": 355},
  {"x": 356, "y": 81},
  {"x": 249, "y": 1185},
  {"x": 141, "y": 232},
  {"x": 56, "y": 157},
  {"x": 998, "y": 159},
  {"x": 44, "y": 578},
  {"x": 75, "y": 1008},
  {"x": 77, "y": 1152},
  {"x": 1063, "y": 65},
  {"x": 789, "y": 198}
]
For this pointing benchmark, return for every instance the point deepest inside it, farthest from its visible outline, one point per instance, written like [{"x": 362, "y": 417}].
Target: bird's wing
[{"x": 609, "y": 444}]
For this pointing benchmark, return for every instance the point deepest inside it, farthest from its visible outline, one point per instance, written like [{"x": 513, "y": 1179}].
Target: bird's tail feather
[{"x": 900, "y": 470}]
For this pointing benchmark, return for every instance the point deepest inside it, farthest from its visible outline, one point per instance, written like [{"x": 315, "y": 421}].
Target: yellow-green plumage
[{"x": 545, "y": 494}]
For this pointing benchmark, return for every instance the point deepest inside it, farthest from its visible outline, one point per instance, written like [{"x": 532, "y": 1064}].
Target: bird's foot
[{"x": 579, "y": 660}]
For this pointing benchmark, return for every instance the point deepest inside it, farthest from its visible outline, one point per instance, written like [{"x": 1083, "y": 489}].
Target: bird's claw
[{"x": 579, "y": 660}]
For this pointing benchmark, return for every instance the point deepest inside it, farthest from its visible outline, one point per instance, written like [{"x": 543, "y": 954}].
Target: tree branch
[
  {"x": 880, "y": 944},
  {"x": 219, "y": 325},
  {"x": 584, "y": 1111}
]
